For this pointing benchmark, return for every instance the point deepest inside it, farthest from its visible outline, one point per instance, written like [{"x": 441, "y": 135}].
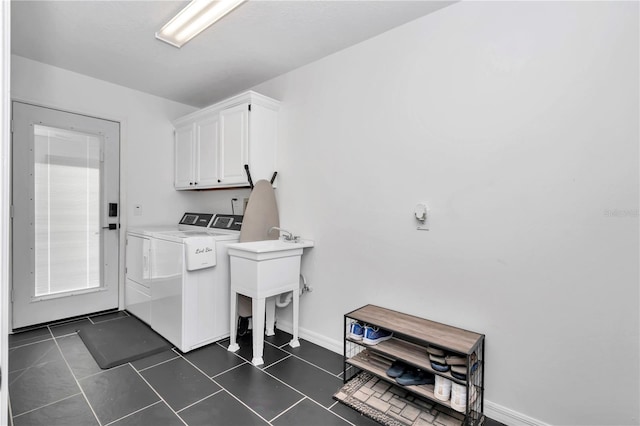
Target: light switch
[{"x": 137, "y": 210}]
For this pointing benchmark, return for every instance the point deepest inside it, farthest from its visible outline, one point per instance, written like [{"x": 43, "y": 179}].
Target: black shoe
[
  {"x": 397, "y": 369},
  {"x": 243, "y": 326},
  {"x": 416, "y": 377}
]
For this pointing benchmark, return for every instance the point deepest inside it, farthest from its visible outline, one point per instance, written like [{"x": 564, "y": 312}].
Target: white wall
[{"x": 518, "y": 124}]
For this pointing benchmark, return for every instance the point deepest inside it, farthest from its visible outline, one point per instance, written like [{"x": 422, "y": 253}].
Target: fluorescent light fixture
[{"x": 197, "y": 16}]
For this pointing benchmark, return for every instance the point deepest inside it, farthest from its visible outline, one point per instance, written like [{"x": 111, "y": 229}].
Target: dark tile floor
[{"x": 54, "y": 380}]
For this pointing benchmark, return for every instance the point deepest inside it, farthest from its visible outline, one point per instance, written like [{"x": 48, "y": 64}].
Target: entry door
[{"x": 65, "y": 224}]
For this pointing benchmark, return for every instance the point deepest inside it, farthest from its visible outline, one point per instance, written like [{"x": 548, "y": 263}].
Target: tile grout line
[
  {"x": 319, "y": 405},
  {"x": 157, "y": 393},
  {"x": 31, "y": 343},
  {"x": 200, "y": 400},
  {"x": 228, "y": 370},
  {"x": 47, "y": 405},
  {"x": 281, "y": 381},
  {"x": 244, "y": 404},
  {"x": 24, "y": 370},
  {"x": 302, "y": 359},
  {"x": 288, "y": 385},
  {"x": 275, "y": 362},
  {"x": 77, "y": 382},
  {"x": 154, "y": 365},
  {"x": 305, "y": 395},
  {"x": 225, "y": 389},
  {"x": 329, "y": 410},
  {"x": 101, "y": 371},
  {"x": 290, "y": 408},
  {"x": 10, "y": 409},
  {"x": 315, "y": 365},
  {"x": 131, "y": 414}
]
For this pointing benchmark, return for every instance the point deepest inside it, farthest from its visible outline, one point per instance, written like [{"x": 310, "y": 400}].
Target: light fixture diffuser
[{"x": 197, "y": 16}]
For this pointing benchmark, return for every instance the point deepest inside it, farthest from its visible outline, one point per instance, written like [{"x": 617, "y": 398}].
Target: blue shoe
[
  {"x": 375, "y": 335},
  {"x": 439, "y": 367},
  {"x": 356, "y": 330}
]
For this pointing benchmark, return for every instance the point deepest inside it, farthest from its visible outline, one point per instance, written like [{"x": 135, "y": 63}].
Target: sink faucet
[{"x": 288, "y": 236}]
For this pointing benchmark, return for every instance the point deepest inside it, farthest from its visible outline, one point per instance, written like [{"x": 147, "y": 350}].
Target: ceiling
[{"x": 114, "y": 41}]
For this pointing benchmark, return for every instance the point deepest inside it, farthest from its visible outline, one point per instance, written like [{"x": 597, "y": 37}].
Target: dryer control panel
[
  {"x": 231, "y": 222},
  {"x": 196, "y": 219}
]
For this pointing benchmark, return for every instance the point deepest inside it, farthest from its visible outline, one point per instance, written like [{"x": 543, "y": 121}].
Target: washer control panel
[{"x": 196, "y": 219}]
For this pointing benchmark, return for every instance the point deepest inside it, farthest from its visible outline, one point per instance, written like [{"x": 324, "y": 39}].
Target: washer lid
[{"x": 186, "y": 234}]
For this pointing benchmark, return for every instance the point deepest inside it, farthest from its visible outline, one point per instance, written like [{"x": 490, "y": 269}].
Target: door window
[{"x": 67, "y": 210}]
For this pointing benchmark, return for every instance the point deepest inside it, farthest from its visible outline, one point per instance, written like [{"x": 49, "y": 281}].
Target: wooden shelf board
[
  {"x": 368, "y": 362},
  {"x": 438, "y": 334}
]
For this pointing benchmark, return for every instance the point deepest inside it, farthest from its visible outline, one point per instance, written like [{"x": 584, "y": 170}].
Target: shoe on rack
[
  {"x": 432, "y": 350},
  {"x": 375, "y": 335},
  {"x": 397, "y": 369},
  {"x": 459, "y": 372},
  {"x": 416, "y": 377},
  {"x": 456, "y": 360},
  {"x": 443, "y": 368},
  {"x": 438, "y": 363},
  {"x": 356, "y": 330}
]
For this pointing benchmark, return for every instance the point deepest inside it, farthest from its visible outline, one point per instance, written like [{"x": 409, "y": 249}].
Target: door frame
[
  {"x": 123, "y": 194},
  {"x": 5, "y": 199},
  {"x": 43, "y": 309}
]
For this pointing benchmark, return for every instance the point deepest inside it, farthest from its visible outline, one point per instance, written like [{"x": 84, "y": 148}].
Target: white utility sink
[
  {"x": 262, "y": 269},
  {"x": 268, "y": 249}
]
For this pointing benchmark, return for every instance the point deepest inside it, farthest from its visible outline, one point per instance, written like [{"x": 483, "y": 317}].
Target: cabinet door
[
  {"x": 208, "y": 137},
  {"x": 184, "y": 157},
  {"x": 234, "y": 144},
  {"x": 137, "y": 260}
]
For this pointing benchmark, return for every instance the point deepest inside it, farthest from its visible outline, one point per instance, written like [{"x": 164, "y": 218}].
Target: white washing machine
[{"x": 178, "y": 278}]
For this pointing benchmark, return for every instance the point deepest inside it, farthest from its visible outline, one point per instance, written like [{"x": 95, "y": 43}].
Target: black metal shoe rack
[{"x": 411, "y": 336}]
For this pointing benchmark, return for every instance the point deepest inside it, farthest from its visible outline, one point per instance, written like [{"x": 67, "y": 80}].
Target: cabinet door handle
[{"x": 190, "y": 183}]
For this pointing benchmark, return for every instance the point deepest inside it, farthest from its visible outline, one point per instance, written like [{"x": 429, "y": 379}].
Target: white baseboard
[
  {"x": 509, "y": 417},
  {"x": 336, "y": 346},
  {"x": 491, "y": 409}
]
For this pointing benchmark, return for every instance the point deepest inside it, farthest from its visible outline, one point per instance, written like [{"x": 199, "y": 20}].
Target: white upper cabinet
[
  {"x": 213, "y": 145},
  {"x": 206, "y": 155},
  {"x": 234, "y": 144},
  {"x": 184, "y": 154}
]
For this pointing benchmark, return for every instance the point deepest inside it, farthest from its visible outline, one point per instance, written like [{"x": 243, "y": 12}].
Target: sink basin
[{"x": 268, "y": 249}]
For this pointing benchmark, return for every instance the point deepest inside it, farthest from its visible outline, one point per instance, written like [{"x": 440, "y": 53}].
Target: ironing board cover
[{"x": 261, "y": 214}]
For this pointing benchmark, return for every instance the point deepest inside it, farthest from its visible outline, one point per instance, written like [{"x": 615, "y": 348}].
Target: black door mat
[
  {"x": 391, "y": 405},
  {"x": 118, "y": 341}
]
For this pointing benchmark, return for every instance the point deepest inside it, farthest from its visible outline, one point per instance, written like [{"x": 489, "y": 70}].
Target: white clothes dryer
[{"x": 178, "y": 278}]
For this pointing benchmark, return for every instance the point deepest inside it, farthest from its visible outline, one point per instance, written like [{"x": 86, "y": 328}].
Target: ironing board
[{"x": 260, "y": 216}]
